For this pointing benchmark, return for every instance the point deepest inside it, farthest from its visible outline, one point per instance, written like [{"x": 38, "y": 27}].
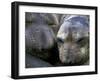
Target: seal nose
[{"x": 69, "y": 38}]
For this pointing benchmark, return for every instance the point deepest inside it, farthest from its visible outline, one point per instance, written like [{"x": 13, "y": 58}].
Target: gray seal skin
[
  {"x": 73, "y": 40},
  {"x": 32, "y": 61},
  {"x": 40, "y": 40}
]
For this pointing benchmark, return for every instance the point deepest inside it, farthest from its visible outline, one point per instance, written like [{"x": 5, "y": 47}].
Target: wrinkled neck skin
[{"x": 74, "y": 41}]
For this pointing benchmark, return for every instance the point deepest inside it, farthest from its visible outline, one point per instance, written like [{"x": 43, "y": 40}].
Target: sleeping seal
[{"x": 73, "y": 40}]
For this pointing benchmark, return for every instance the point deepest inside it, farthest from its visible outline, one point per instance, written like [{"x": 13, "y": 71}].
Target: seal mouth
[
  {"x": 73, "y": 55},
  {"x": 70, "y": 53}
]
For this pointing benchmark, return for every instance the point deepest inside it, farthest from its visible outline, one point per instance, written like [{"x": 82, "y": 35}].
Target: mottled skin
[{"x": 73, "y": 40}]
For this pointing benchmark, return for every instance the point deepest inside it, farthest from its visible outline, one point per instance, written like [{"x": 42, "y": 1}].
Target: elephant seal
[
  {"x": 40, "y": 40},
  {"x": 73, "y": 40}
]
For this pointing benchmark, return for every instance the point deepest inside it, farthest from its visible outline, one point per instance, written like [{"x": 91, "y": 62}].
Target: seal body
[{"x": 40, "y": 40}]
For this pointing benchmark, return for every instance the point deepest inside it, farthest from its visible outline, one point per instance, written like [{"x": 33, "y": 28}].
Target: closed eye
[
  {"x": 82, "y": 41},
  {"x": 59, "y": 40}
]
